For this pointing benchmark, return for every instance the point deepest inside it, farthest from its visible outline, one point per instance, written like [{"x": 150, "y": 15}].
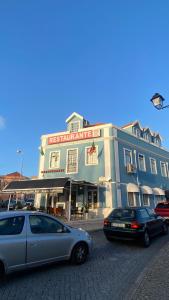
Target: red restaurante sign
[{"x": 74, "y": 136}]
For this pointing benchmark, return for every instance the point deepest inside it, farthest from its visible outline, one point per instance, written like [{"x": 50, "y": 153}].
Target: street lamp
[
  {"x": 20, "y": 152},
  {"x": 157, "y": 101}
]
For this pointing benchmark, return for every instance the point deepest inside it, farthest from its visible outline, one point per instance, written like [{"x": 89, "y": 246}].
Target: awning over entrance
[
  {"x": 133, "y": 188},
  {"x": 43, "y": 185},
  {"x": 37, "y": 185},
  {"x": 158, "y": 191},
  {"x": 146, "y": 190}
]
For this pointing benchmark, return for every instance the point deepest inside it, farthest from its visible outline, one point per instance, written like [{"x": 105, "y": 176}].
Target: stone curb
[{"x": 88, "y": 225}]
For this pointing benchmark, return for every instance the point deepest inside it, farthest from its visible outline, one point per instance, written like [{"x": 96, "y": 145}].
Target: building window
[
  {"x": 127, "y": 157},
  {"x": 54, "y": 160},
  {"x": 74, "y": 126},
  {"x": 141, "y": 162},
  {"x": 133, "y": 199},
  {"x": 137, "y": 132},
  {"x": 157, "y": 141},
  {"x": 146, "y": 200},
  {"x": 163, "y": 169},
  {"x": 153, "y": 166},
  {"x": 91, "y": 156},
  {"x": 147, "y": 137},
  {"x": 72, "y": 161},
  {"x": 92, "y": 199}
]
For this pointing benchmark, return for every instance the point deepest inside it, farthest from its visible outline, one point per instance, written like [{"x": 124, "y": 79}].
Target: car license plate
[{"x": 118, "y": 225}]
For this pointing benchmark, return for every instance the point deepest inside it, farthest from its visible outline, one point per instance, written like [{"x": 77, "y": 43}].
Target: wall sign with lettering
[{"x": 74, "y": 136}]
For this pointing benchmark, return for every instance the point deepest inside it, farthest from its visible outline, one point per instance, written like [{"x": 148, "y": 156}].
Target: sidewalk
[
  {"x": 88, "y": 225},
  {"x": 153, "y": 283}
]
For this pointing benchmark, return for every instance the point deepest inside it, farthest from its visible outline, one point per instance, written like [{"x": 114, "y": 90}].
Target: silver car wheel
[{"x": 79, "y": 254}]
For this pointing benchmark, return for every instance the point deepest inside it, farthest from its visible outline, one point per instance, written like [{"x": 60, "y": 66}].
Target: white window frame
[
  {"x": 74, "y": 123},
  {"x": 143, "y": 161},
  {"x": 125, "y": 149},
  {"x": 151, "y": 158},
  {"x": 57, "y": 151},
  {"x": 67, "y": 161},
  {"x": 88, "y": 147},
  {"x": 163, "y": 162},
  {"x": 157, "y": 141},
  {"x": 137, "y": 132},
  {"x": 147, "y": 137},
  {"x": 147, "y": 205},
  {"x": 134, "y": 198}
]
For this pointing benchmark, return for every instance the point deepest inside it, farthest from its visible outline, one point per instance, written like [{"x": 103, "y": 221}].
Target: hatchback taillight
[
  {"x": 106, "y": 222},
  {"x": 135, "y": 225}
]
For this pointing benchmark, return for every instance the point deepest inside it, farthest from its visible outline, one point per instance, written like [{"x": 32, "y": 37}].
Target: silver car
[{"x": 29, "y": 239}]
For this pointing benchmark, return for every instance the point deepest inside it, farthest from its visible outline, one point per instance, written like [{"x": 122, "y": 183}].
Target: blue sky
[{"x": 102, "y": 59}]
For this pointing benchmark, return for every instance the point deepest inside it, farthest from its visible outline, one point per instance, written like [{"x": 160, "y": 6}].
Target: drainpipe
[{"x": 138, "y": 183}]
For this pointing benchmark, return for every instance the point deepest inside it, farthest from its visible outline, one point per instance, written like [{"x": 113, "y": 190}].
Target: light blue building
[{"x": 106, "y": 166}]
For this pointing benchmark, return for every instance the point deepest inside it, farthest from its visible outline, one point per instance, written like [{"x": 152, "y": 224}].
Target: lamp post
[
  {"x": 157, "y": 101},
  {"x": 20, "y": 152}
]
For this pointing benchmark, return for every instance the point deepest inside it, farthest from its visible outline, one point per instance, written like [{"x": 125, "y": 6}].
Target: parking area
[{"x": 111, "y": 273}]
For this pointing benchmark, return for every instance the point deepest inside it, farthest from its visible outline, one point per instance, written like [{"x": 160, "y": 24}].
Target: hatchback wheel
[
  {"x": 146, "y": 239},
  {"x": 165, "y": 229},
  {"x": 79, "y": 254}
]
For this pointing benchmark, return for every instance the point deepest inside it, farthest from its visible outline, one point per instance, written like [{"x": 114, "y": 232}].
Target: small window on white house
[
  {"x": 153, "y": 166},
  {"x": 72, "y": 161},
  {"x": 54, "y": 160},
  {"x": 74, "y": 126},
  {"x": 164, "y": 168},
  {"x": 141, "y": 162},
  {"x": 146, "y": 200},
  {"x": 91, "y": 156},
  {"x": 127, "y": 157}
]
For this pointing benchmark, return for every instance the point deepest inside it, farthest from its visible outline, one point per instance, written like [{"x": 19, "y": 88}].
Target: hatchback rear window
[{"x": 123, "y": 214}]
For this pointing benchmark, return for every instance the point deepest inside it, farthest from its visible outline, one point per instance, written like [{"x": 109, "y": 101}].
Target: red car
[{"x": 162, "y": 209}]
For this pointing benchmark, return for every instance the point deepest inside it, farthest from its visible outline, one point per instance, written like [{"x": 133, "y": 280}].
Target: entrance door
[
  {"x": 73, "y": 200},
  {"x": 92, "y": 199}
]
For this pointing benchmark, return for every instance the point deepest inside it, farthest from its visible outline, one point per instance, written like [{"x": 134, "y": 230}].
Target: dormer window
[
  {"x": 74, "y": 126},
  {"x": 147, "y": 137},
  {"x": 137, "y": 131},
  {"x": 157, "y": 141}
]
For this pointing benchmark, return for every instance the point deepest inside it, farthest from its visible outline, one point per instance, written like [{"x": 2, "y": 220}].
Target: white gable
[{"x": 74, "y": 114}]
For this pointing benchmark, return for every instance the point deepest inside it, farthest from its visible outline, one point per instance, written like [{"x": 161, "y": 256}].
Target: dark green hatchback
[{"x": 134, "y": 224}]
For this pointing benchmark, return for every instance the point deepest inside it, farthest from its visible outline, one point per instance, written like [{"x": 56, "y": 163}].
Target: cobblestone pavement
[
  {"x": 110, "y": 273},
  {"x": 153, "y": 283}
]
